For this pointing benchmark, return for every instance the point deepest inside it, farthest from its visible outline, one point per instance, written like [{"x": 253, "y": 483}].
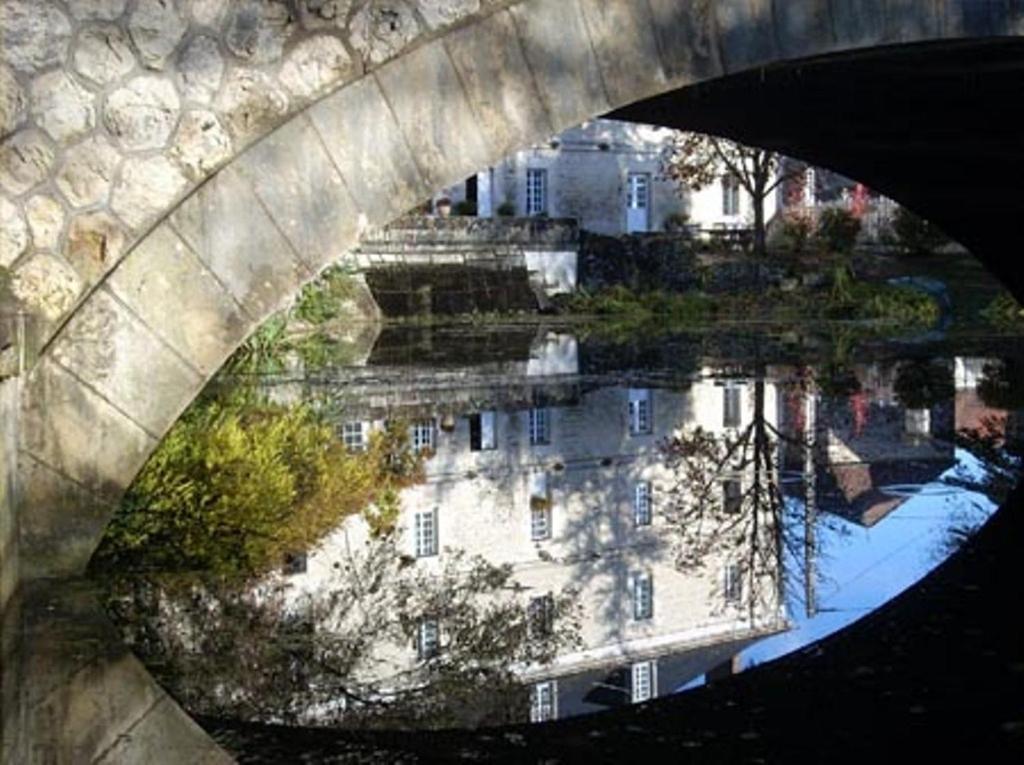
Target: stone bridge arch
[{"x": 166, "y": 278}]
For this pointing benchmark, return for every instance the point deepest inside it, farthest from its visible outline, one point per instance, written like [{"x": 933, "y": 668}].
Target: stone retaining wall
[{"x": 463, "y": 265}]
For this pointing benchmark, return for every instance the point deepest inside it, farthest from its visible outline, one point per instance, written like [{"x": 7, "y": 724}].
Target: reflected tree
[
  {"x": 728, "y": 495},
  {"x": 382, "y": 642}
]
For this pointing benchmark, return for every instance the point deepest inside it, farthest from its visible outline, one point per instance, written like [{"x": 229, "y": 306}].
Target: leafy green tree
[{"x": 238, "y": 484}]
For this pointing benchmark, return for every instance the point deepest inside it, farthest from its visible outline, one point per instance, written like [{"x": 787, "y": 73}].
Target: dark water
[{"x": 599, "y": 521}]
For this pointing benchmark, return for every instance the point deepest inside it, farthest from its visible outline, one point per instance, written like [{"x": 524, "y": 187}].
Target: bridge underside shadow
[{"x": 934, "y": 126}]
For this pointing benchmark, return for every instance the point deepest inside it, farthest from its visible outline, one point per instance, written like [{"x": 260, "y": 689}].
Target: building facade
[{"x": 608, "y": 176}]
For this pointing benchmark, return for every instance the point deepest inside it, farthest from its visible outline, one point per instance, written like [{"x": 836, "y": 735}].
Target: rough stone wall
[{"x": 112, "y": 110}]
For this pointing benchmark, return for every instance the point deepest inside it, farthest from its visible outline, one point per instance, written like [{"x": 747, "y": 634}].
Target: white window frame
[
  {"x": 353, "y": 435},
  {"x": 541, "y": 615},
  {"x": 425, "y": 534},
  {"x": 423, "y": 435},
  {"x": 732, "y": 584},
  {"x": 539, "y": 425},
  {"x": 544, "y": 701},
  {"x": 641, "y": 412},
  {"x": 643, "y": 681},
  {"x": 642, "y": 504},
  {"x": 536, "y": 191},
  {"x": 428, "y": 639},
  {"x": 642, "y": 587}
]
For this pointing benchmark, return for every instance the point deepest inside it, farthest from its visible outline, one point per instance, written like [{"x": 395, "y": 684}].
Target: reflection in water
[{"x": 583, "y": 535}]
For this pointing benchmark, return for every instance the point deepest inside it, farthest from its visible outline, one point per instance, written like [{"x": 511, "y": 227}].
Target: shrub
[
  {"x": 916, "y": 235},
  {"x": 922, "y": 384},
  {"x": 324, "y": 299},
  {"x": 465, "y": 207},
  {"x": 1004, "y": 311},
  {"x": 676, "y": 222},
  {"x": 795, "y": 232},
  {"x": 838, "y": 230},
  {"x": 506, "y": 210},
  {"x": 238, "y": 484}
]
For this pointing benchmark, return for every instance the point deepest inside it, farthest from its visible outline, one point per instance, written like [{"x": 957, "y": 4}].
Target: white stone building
[
  {"x": 607, "y": 175},
  {"x": 568, "y": 495}
]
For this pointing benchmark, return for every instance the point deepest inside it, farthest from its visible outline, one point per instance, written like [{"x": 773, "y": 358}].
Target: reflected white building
[{"x": 569, "y": 494}]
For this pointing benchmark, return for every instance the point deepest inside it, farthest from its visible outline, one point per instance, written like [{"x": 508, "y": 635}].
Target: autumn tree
[{"x": 694, "y": 161}]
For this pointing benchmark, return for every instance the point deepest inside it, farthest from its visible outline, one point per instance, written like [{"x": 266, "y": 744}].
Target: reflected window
[
  {"x": 294, "y": 563},
  {"x": 540, "y": 506},
  {"x": 422, "y": 435},
  {"x": 428, "y": 639},
  {"x": 643, "y": 596},
  {"x": 641, "y": 420},
  {"x": 540, "y": 426},
  {"x": 642, "y": 504},
  {"x": 540, "y": 519},
  {"x": 536, "y": 191},
  {"x": 732, "y": 584},
  {"x": 483, "y": 431},
  {"x": 353, "y": 435},
  {"x": 541, "y": 615},
  {"x": 426, "y": 534},
  {"x": 731, "y": 406},
  {"x": 544, "y": 701},
  {"x": 732, "y": 496},
  {"x": 643, "y": 682}
]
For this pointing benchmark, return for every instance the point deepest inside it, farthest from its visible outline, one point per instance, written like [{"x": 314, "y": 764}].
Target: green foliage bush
[
  {"x": 465, "y": 207},
  {"x": 324, "y": 299},
  {"x": 622, "y": 301},
  {"x": 506, "y": 210},
  {"x": 922, "y": 384},
  {"x": 795, "y": 233},
  {"x": 237, "y": 484},
  {"x": 838, "y": 230},
  {"x": 1004, "y": 311},
  {"x": 916, "y": 235}
]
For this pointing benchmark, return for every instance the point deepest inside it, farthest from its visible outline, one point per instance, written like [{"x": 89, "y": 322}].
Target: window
[
  {"x": 540, "y": 519},
  {"x": 541, "y": 615},
  {"x": 428, "y": 640},
  {"x": 422, "y": 435},
  {"x": 643, "y": 596},
  {"x": 642, "y": 504},
  {"x": 353, "y": 435},
  {"x": 536, "y": 191},
  {"x": 732, "y": 496},
  {"x": 731, "y": 406},
  {"x": 540, "y": 507},
  {"x": 730, "y": 195},
  {"x": 482, "y": 432},
  {"x": 294, "y": 563},
  {"x": 544, "y": 701},
  {"x": 641, "y": 419},
  {"x": 643, "y": 681},
  {"x": 732, "y": 584},
  {"x": 540, "y": 427},
  {"x": 426, "y": 534}
]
